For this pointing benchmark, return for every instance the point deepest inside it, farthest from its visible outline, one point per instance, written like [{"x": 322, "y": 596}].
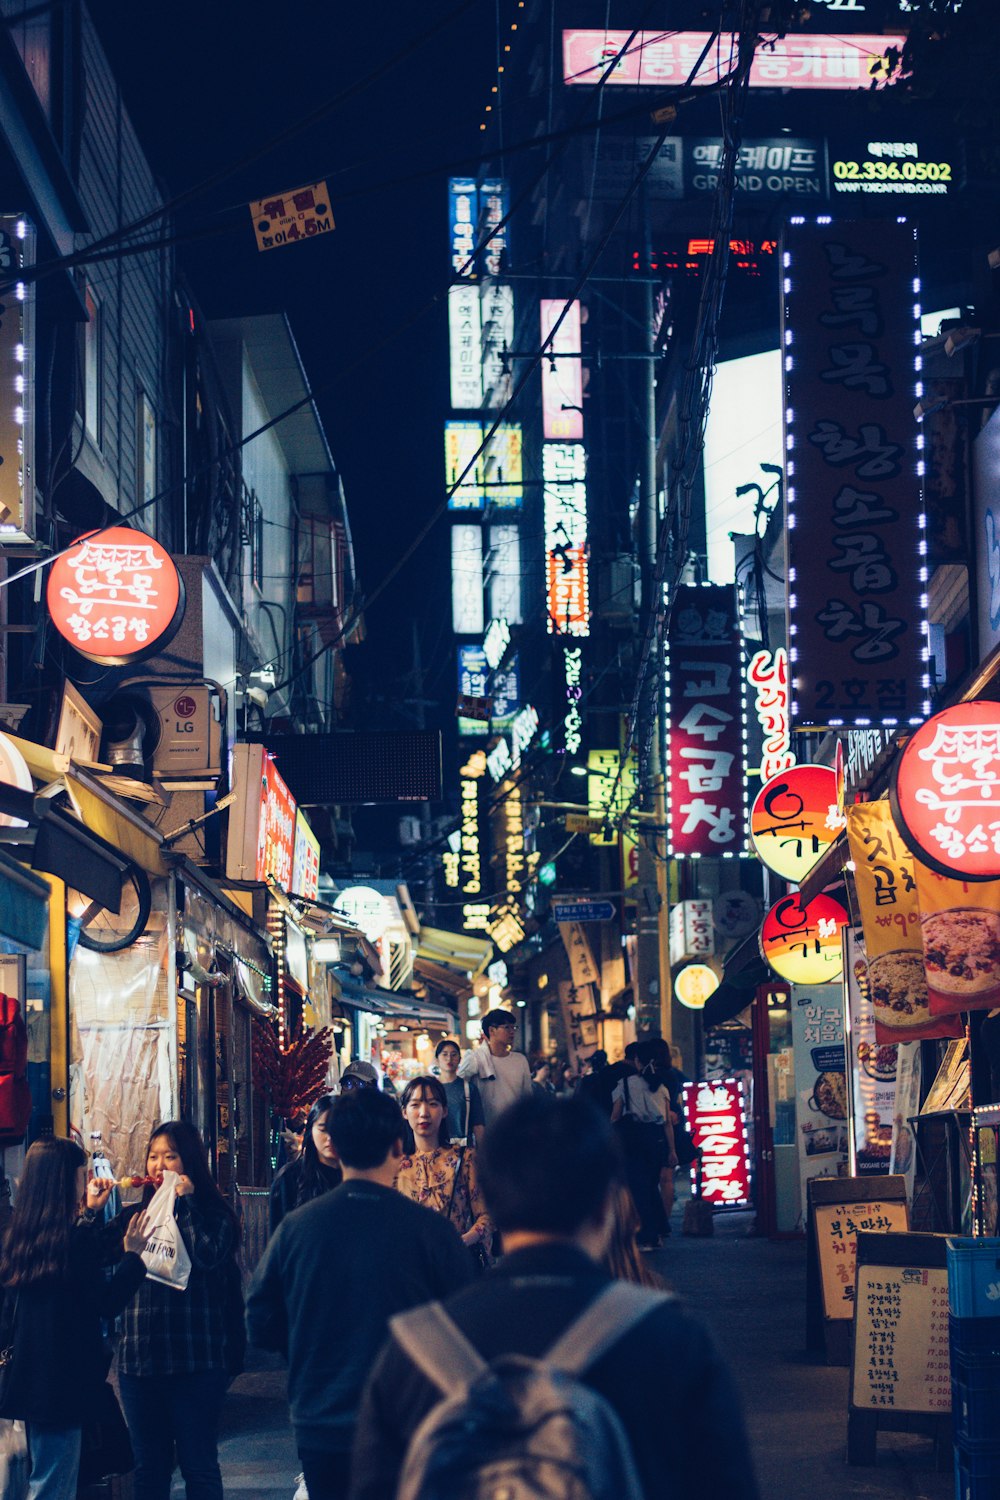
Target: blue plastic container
[
  {"x": 977, "y": 1473},
  {"x": 978, "y": 1337},
  {"x": 975, "y": 1402},
  {"x": 974, "y": 1278}
]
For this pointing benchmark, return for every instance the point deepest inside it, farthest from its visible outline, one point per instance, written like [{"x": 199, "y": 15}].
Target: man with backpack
[{"x": 548, "y": 1377}]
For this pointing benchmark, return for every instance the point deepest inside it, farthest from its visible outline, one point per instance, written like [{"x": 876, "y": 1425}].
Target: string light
[{"x": 276, "y": 932}]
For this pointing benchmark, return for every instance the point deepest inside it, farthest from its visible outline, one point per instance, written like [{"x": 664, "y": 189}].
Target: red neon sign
[
  {"x": 717, "y": 1123},
  {"x": 115, "y": 596}
]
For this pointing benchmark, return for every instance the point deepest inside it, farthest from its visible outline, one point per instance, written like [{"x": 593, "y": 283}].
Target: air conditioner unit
[
  {"x": 189, "y": 747},
  {"x": 618, "y": 591}
]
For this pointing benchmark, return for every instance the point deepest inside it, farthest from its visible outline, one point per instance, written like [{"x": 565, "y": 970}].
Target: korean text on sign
[{"x": 285, "y": 218}]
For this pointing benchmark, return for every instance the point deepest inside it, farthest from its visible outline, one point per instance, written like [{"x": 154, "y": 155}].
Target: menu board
[
  {"x": 901, "y": 1361},
  {"x": 837, "y": 1227}
]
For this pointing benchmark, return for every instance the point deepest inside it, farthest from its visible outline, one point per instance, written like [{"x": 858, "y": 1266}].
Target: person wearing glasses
[
  {"x": 502, "y": 1074},
  {"x": 315, "y": 1171},
  {"x": 358, "y": 1075}
]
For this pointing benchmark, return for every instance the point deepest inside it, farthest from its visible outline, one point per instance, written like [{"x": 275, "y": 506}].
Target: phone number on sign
[{"x": 893, "y": 171}]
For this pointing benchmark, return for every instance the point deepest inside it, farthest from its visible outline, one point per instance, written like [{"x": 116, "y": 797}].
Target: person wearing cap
[
  {"x": 502, "y": 1074},
  {"x": 358, "y": 1075}
]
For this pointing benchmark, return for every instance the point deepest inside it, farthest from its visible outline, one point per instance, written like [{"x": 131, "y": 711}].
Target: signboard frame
[{"x": 825, "y": 1193}]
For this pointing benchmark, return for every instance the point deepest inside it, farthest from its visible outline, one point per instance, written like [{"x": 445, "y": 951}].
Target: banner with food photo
[
  {"x": 820, "y": 1081},
  {"x": 960, "y": 929},
  {"x": 872, "y": 1068},
  {"x": 886, "y": 888}
]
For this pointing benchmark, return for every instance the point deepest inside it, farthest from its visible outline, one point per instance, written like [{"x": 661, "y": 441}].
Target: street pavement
[{"x": 751, "y": 1293}]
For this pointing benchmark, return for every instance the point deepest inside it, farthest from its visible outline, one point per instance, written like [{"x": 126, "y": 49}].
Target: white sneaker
[{"x": 301, "y": 1493}]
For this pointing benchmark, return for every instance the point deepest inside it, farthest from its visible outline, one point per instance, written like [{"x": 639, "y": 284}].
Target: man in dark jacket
[
  {"x": 335, "y": 1272},
  {"x": 548, "y": 1167}
]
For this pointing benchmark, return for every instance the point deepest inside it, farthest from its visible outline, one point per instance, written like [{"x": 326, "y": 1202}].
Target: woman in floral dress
[{"x": 441, "y": 1176}]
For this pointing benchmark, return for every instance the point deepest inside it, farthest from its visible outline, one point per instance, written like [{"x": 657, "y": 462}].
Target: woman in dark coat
[
  {"x": 55, "y": 1293},
  {"x": 313, "y": 1172}
]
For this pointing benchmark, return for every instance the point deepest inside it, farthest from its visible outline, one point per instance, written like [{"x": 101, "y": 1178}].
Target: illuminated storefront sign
[
  {"x": 705, "y": 808},
  {"x": 503, "y": 574},
  {"x": 467, "y": 580},
  {"x": 473, "y": 682},
  {"x": 562, "y": 372},
  {"x": 261, "y": 839},
  {"x": 494, "y": 205},
  {"x": 855, "y": 527},
  {"x": 368, "y": 909},
  {"x": 767, "y": 679},
  {"x": 497, "y": 317},
  {"x": 794, "y": 819},
  {"x": 946, "y": 792},
  {"x": 470, "y": 860},
  {"x": 506, "y": 692},
  {"x": 17, "y": 394},
  {"x": 690, "y": 929},
  {"x": 506, "y": 756},
  {"x": 605, "y": 793},
  {"x": 875, "y": 168},
  {"x": 694, "y": 984},
  {"x": 463, "y": 214},
  {"x": 717, "y": 1123},
  {"x": 509, "y": 841},
  {"x": 573, "y": 720},
  {"x": 802, "y": 943},
  {"x": 564, "y": 472},
  {"x": 465, "y": 343},
  {"x": 655, "y": 58},
  {"x": 305, "y": 864},
  {"x": 495, "y": 642},
  {"x": 115, "y": 596},
  {"x": 779, "y": 168},
  {"x": 496, "y": 478},
  {"x": 505, "y": 927}
]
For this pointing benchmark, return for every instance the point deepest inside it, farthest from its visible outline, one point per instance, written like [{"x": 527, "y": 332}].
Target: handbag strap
[{"x": 468, "y": 1107}]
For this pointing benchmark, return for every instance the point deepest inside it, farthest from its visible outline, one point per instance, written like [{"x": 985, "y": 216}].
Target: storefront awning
[
  {"x": 455, "y": 950},
  {"x": 111, "y": 818},
  {"x": 451, "y": 981},
  {"x": 24, "y": 904},
  {"x": 403, "y": 1008}
]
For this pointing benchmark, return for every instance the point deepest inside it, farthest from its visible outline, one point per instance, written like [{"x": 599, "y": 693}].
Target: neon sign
[
  {"x": 717, "y": 1123},
  {"x": 115, "y": 596},
  {"x": 767, "y": 676},
  {"x": 564, "y": 472},
  {"x": 562, "y": 372}
]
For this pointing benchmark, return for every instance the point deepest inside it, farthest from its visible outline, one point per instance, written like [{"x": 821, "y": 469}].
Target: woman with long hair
[
  {"x": 622, "y": 1258},
  {"x": 435, "y": 1173},
  {"x": 313, "y": 1172},
  {"x": 179, "y": 1349},
  {"x": 641, "y": 1105},
  {"x": 55, "y": 1293}
]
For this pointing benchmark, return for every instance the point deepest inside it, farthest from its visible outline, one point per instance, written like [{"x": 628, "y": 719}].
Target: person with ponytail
[{"x": 55, "y": 1292}]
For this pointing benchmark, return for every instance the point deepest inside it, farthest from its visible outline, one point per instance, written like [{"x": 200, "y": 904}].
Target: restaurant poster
[
  {"x": 872, "y": 1069},
  {"x": 820, "y": 1082},
  {"x": 887, "y": 895},
  {"x": 960, "y": 930}
]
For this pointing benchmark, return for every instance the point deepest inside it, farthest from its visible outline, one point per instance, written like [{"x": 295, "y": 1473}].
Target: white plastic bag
[
  {"x": 166, "y": 1255},
  {"x": 13, "y": 1460}
]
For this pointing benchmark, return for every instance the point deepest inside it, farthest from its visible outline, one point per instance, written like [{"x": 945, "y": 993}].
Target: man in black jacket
[
  {"x": 335, "y": 1272},
  {"x": 548, "y": 1167}
]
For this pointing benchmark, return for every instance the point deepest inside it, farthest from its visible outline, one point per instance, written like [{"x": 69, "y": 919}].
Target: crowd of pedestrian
[{"x": 490, "y": 1221}]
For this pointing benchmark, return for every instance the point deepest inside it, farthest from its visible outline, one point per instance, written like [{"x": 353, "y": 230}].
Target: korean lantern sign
[
  {"x": 705, "y": 750},
  {"x": 802, "y": 943},
  {"x": 794, "y": 819},
  {"x": 946, "y": 793},
  {"x": 115, "y": 596}
]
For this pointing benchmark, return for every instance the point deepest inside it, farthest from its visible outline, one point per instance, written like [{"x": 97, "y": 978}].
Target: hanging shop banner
[
  {"x": 856, "y": 578},
  {"x": 17, "y": 393},
  {"x": 261, "y": 838},
  {"x": 960, "y": 932},
  {"x": 886, "y": 886},
  {"x": 802, "y": 943},
  {"x": 305, "y": 863},
  {"x": 794, "y": 820},
  {"x": 465, "y": 345},
  {"x": 767, "y": 680},
  {"x": 463, "y": 215},
  {"x": 115, "y": 596},
  {"x": 580, "y": 1024},
  {"x": 873, "y": 1068},
  {"x": 717, "y": 1123},
  {"x": 821, "y": 1133},
  {"x": 946, "y": 791},
  {"x": 562, "y": 371},
  {"x": 655, "y": 58},
  {"x": 582, "y": 965},
  {"x": 301, "y": 213},
  {"x": 567, "y": 588},
  {"x": 705, "y": 795},
  {"x": 691, "y": 930}
]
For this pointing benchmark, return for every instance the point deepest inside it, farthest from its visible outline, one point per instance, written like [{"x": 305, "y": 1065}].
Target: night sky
[{"x": 206, "y": 85}]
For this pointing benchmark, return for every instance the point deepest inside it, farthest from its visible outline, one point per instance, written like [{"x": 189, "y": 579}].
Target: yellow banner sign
[{"x": 301, "y": 213}]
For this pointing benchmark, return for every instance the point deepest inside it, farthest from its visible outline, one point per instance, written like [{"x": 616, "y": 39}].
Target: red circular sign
[
  {"x": 115, "y": 596},
  {"x": 802, "y": 943},
  {"x": 794, "y": 819},
  {"x": 945, "y": 793}
]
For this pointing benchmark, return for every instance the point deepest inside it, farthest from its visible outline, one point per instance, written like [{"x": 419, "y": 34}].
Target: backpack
[
  {"x": 520, "y": 1428},
  {"x": 15, "y": 1095}
]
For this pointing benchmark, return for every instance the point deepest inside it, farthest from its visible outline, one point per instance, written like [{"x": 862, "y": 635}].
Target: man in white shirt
[{"x": 501, "y": 1073}]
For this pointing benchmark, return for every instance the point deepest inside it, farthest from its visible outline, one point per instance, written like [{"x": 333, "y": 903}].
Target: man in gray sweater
[{"x": 334, "y": 1274}]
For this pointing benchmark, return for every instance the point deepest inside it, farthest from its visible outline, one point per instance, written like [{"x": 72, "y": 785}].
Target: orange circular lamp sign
[
  {"x": 945, "y": 794},
  {"x": 115, "y": 596},
  {"x": 802, "y": 943},
  {"x": 794, "y": 819},
  {"x": 694, "y": 984}
]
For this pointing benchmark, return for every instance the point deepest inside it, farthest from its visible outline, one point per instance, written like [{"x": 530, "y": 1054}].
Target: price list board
[
  {"x": 899, "y": 1364},
  {"x": 841, "y": 1209}
]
